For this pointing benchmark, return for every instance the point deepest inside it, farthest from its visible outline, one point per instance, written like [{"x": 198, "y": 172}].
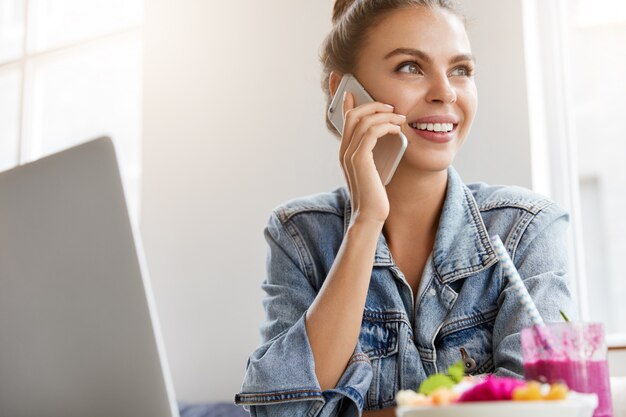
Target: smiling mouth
[
  {"x": 434, "y": 127},
  {"x": 439, "y": 133}
]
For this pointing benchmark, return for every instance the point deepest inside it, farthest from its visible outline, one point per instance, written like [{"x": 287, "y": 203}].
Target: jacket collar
[{"x": 462, "y": 246}]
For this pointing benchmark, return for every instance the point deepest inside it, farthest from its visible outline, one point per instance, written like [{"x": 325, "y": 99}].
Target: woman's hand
[{"x": 363, "y": 126}]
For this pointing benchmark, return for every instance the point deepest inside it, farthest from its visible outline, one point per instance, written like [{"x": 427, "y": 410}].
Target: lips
[{"x": 436, "y": 128}]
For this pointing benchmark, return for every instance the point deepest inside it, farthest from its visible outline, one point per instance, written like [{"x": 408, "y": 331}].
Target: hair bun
[{"x": 339, "y": 9}]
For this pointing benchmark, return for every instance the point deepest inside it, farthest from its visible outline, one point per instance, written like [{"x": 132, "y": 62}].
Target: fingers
[
  {"x": 353, "y": 115},
  {"x": 366, "y": 124},
  {"x": 358, "y": 160},
  {"x": 363, "y": 117},
  {"x": 365, "y": 186},
  {"x": 370, "y": 138},
  {"x": 363, "y": 126}
]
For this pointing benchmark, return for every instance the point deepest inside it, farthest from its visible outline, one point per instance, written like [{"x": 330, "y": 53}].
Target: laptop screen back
[{"x": 78, "y": 328}]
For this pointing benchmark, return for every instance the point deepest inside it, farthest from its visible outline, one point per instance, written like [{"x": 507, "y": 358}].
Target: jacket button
[{"x": 468, "y": 362}]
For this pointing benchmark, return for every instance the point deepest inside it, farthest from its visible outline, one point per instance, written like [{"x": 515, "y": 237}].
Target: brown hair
[{"x": 351, "y": 20}]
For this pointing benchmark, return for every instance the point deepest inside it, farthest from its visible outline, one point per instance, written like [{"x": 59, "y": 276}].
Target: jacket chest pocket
[
  {"x": 379, "y": 341},
  {"x": 472, "y": 344}
]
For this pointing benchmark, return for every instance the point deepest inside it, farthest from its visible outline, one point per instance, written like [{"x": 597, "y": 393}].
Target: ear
[{"x": 333, "y": 82}]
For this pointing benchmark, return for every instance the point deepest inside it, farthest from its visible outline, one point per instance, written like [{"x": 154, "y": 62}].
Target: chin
[{"x": 427, "y": 161}]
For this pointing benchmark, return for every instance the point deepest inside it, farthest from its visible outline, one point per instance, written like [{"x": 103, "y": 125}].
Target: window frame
[
  {"x": 22, "y": 63},
  {"x": 554, "y": 154}
]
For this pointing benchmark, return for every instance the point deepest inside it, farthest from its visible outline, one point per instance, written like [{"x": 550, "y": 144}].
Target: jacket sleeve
[
  {"x": 542, "y": 262},
  {"x": 280, "y": 376}
]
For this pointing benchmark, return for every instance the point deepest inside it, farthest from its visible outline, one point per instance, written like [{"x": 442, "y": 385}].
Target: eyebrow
[{"x": 424, "y": 57}]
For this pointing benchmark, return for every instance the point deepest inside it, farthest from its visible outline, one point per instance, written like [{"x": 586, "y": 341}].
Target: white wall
[
  {"x": 617, "y": 362},
  {"x": 234, "y": 125},
  {"x": 498, "y": 149}
]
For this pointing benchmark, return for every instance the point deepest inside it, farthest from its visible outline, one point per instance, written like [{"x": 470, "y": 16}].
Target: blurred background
[{"x": 217, "y": 114}]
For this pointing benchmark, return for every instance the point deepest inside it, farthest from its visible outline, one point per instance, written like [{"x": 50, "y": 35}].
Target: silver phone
[{"x": 389, "y": 149}]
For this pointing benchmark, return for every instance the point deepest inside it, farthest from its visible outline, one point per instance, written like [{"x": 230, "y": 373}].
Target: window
[
  {"x": 577, "y": 92},
  {"x": 70, "y": 71}
]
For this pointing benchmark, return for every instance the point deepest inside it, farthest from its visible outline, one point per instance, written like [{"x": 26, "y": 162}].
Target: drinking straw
[{"x": 516, "y": 283}]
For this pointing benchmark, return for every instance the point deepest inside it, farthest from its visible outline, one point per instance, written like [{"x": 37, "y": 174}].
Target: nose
[{"x": 440, "y": 90}]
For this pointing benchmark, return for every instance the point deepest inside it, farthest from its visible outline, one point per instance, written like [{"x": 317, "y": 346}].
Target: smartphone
[{"x": 389, "y": 149}]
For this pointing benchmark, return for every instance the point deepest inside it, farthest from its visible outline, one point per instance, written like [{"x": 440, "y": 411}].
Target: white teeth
[{"x": 433, "y": 127}]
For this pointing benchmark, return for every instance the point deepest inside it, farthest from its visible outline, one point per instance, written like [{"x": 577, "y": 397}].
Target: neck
[{"x": 416, "y": 200}]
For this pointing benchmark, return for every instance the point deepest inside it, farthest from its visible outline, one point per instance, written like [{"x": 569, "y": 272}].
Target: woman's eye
[
  {"x": 461, "y": 72},
  {"x": 409, "y": 68}
]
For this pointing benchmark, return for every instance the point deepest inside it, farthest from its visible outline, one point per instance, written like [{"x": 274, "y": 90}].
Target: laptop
[{"x": 79, "y": 334}]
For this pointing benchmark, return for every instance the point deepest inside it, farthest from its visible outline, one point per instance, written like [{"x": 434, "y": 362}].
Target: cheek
[
  {"x": 406, "y": 100},
  {"x": 400, "y": 94},
  {"x": 402, "y": 99},
  {"x": 468, "y": 99}
]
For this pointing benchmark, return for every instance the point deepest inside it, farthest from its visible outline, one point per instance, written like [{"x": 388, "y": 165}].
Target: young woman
[{"x": 370, "y": 289}]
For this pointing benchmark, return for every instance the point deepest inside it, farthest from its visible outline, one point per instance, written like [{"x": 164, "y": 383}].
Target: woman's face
[{"x": 419, "y": 60}]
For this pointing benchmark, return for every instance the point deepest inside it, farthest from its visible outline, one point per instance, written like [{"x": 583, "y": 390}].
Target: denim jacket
[{"x": 463, "y": 309}]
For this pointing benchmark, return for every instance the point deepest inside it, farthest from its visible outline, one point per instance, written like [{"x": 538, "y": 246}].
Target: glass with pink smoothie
[{"x": 574, "y": 353}]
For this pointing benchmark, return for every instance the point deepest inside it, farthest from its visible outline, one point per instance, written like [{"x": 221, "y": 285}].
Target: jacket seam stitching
[
  {"x": 518, "y": 231},
  {"x": 280, "y": 400},
  {"x": 475, "y": 318},
  {"x": 522, "y": 232},
  {"x": 476, "y": 214},
  {"x": 268, "y": 397},
  {"x": 385, "y": 316},
  {"x": 464, "y": 272},
  {"x": 531, "y": 208},
  {"x": 468, "y": 322},
  {"x": 288, "y": 214},
  {"x": 303, "y": 253},
  {"x": 426, "y": 354},
  {"x": 271, "y": 393},
  {"x": 300, "y": 260}
]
